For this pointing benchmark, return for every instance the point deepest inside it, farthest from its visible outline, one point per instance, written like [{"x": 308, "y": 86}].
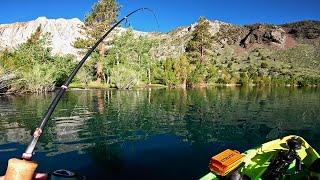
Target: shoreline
[{"x": 83, "y": 87}]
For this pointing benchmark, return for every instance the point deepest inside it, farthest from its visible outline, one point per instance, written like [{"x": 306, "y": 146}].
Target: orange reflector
[{"x": 226, "y": 161}]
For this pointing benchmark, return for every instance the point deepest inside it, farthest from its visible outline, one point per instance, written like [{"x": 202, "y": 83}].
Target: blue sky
[{"x": 170, "y": 13}]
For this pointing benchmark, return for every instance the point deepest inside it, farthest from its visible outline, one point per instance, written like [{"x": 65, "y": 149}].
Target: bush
[
  {"x": 212, "y": 76},
  {"x": 198, "y": 75},
  {"x": 124, "y": 77},
  {"x": 34, "y": 67},
  {"x": 39, "y": 79},
  {"x": 63, "y": 66},
  {"x": 264, "y": 65}
]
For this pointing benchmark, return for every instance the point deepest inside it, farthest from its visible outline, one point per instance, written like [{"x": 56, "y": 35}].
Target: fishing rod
[
  {"x": 24, "y": 168},
  {"x": 27, "y": 155}
]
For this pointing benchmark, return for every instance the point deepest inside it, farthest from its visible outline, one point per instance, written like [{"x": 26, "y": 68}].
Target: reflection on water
[{"x": 154, "y": 133}]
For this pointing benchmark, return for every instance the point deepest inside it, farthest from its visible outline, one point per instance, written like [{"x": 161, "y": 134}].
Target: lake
[{"x": 158, "y": 134}]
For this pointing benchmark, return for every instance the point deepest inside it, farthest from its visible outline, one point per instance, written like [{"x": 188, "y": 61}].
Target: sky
[{"x": 170, "y": 13}]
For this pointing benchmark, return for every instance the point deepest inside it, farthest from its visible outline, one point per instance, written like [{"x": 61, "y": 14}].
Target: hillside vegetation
[{"x": 206, "y": 53}]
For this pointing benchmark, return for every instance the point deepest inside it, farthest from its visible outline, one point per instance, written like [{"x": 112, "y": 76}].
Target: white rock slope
[{"x": 63, "y": 32}]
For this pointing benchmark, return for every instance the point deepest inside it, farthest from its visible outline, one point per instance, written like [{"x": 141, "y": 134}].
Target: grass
[
  {"x": 95, "y": 85},
  {"x": 141, "y": 86},
  {"x": 91, "y": 85}
]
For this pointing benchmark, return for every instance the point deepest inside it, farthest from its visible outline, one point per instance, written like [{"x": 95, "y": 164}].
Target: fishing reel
[
  {"x": 63, "y": 174},
  {"x": 280, "y": 164}
]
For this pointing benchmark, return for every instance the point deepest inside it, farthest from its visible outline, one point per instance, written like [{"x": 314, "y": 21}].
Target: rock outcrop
[
  {"x": 63, "y": 33},
  {"x": 263, "y": 34}
]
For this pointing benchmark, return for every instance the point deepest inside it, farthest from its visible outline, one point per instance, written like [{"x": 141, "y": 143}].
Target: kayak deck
[{"x": 257, "y": 160}]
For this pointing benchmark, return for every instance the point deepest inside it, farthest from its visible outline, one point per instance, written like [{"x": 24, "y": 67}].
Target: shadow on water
[{"x": 154, "y": 133}]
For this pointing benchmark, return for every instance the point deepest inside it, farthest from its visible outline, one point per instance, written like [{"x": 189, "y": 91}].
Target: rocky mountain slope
[
  {"x": 63, "y": 33},
  {"x": 237, "y": 40}
]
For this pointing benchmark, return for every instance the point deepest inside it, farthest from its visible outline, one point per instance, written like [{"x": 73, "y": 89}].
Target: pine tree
[
  {"x": 103, "y": 14},
  {"x": 198, "y": 47},
  {"x": 182, "y": 69}
]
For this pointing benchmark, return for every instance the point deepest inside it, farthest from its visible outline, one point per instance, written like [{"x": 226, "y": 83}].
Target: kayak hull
[{"x": 257, "y": 160}]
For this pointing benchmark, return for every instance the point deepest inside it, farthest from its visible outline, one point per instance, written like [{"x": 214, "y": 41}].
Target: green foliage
[
  {"x": 170, "y": 78},
  {"x": 198, "y": 47},
  {"x": 264, "y": 65},
  {"x": 33, "y": 66},
  {"x": 213, "y": 73},
  {"x": 123, "y": 50},
  {"x": 182, "y": 69},
  {"x": 197, "y": 75},
  {"x": 83, "y": 43},
  {"x": 124, "y": 77},
  {"x": 132, "y": 51},
  {"x": 83, "y": 76},
  {"x": 39, "y": 79},
  {"x": 28, "y": 54},
  {"x": 306, "y": 56},
  {"x": 1, "y": 70},
  {"x": 244, "y": 79},
  {"x": 63, "y": 66},
  {"x": 176, "y": 71},
  {"x": 103, "y": 14},
  {"x": 134, "y": 60}
]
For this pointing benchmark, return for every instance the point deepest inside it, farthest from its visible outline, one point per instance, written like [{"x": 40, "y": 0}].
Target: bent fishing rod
[{"x": 27, "y": 155}]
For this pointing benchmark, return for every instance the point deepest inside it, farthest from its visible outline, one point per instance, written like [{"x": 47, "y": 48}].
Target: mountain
[
  {"x": 63, "y": 33},
  {"x": 287, "y": 47}
]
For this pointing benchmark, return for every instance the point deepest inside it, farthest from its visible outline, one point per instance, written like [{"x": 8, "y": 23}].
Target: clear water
[{"x": 158, "y": 134}]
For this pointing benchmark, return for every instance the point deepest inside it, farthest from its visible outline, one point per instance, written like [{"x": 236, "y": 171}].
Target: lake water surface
[{"x": 158, "y": 134}]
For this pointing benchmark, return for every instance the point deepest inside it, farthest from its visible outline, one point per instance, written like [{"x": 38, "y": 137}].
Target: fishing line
[
  {"x": 155, "y": 17},
  {"x": 128, "y": 24}
]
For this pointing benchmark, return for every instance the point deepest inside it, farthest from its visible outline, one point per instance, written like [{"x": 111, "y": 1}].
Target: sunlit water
[{"x": 158, "y": 134}]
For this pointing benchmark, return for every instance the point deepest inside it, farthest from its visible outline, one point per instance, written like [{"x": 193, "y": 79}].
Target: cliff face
[{"x": 63, "y": 33}]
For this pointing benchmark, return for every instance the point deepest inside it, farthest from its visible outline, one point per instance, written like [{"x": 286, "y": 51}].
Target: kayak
[{"x": 257, "y": 163}]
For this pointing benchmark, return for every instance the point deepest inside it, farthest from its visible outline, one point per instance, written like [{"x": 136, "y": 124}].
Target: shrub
[
  {"x": 264, "y": 65},
  {"x": 124, "y": 77},
  {"x": 39, "y": 79}
]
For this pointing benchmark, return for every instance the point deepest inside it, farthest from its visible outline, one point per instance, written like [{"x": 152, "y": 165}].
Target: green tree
[
  {"x": 102, "y": 15},
  {"x": 33, "y": 68},
  {"x": 181, "y": 69},
  {"x": 170, "y": 79},
  {"x": 124, "y": 76},
  {"x": 136, "y": 52},
  {"x": 197, "y": 75},
  {"x": 176, "y": 71},
  {"x": 122, "y": 50},
  {"x": 213, "y": 73},
  {"x": 198, "y": 48},
  {"x": 35, "y": 50},
  {"x": 145, "y": 59}
]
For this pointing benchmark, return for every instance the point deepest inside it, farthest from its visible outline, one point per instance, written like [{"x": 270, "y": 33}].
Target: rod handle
[{"x": 20, "y": 169}]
